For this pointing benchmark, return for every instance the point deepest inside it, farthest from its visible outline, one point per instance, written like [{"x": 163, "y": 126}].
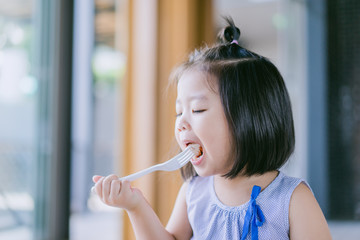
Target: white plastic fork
[{"x": 171, "y": 165}]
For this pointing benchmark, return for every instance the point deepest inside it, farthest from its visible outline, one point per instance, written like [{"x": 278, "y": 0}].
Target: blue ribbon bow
[{"x": 254, "y": 216}]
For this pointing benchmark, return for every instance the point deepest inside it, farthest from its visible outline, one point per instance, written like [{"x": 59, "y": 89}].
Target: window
[
  {"x": 98, "y": 70},
  {"x": 35, "y": 104},
  {"x": 18, "y": 110}
]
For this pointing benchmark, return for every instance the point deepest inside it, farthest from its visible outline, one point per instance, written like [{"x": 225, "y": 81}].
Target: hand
[{"x": 117, "y": 193}]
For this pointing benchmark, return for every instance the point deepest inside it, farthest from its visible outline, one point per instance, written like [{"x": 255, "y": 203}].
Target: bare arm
[
  {"x": 178, "y": 223},
  {"x": 306, "y": 218},
  {"x": 116, "y": 193},
  {"x": 146, "y": 223}
]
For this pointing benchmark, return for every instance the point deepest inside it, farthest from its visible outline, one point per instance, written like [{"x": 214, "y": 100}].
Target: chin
[{"x": 203, "y": 173}]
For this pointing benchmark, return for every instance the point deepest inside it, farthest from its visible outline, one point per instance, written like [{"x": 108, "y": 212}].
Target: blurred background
[{"x": 83, "y": 92}]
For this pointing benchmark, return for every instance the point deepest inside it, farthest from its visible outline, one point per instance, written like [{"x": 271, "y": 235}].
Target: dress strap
[{"x": 254, "y": 217}]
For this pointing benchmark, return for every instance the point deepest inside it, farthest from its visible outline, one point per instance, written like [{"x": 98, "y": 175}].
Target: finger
[
  {"x": 126, "y": 187},
  {"x": 98, "y": 187},
  {"x": 115, "y": 189},
  {"x": 106, "y": 186},
  {"x": 96, "y": 178}
]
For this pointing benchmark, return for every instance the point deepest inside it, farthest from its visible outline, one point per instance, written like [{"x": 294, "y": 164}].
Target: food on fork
[
  {"x": 200, "y": 153},
  {"x": 196, "y": 149}
]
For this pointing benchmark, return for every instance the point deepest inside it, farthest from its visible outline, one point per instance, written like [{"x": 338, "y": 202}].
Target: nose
[{"x": 182, "y": 125}]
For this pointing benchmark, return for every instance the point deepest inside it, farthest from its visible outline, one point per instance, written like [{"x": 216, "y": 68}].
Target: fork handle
[{"x": 141, "y": 173}]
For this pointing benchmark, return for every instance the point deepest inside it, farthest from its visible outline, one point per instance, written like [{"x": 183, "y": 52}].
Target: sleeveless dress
[{"x": 264, "y": 216}]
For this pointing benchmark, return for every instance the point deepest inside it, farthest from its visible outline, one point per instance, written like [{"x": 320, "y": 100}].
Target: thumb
[
  {"x": 128, "y": 189},
  {"x": 96, "y": 178}
]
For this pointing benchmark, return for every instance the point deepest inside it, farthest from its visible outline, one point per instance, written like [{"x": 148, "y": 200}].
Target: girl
[{"x": 234, "y": 104}]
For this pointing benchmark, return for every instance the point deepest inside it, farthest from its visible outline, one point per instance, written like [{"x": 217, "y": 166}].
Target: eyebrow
[{"x": 199, "y": 97}]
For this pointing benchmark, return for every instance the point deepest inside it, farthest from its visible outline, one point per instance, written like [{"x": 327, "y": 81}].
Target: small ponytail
[{"x": 230, "y": 33}]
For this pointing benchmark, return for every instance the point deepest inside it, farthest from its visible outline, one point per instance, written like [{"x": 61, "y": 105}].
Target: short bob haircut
[{"x": 255, "y": 102}]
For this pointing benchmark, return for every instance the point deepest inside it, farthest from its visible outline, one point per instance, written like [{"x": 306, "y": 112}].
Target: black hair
[{"x": 255, "y": 102}]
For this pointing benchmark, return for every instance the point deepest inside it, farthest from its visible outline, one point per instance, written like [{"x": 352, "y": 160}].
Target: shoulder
[
  {"x": 178, "y": 224},
  {"x": 305, "y": 216},
  {"x": 280, "y": 191},
  {"x": 197, "y": 183},
  {"x": 199, "y": 193}
]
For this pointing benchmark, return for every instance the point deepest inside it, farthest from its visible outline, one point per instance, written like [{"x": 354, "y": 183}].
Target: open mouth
[{"x": 200, "y": 152}]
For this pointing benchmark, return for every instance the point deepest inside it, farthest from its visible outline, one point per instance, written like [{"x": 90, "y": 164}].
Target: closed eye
[
  {"x": 199, "y": 111},
  {"x": 178, "y": 115}
]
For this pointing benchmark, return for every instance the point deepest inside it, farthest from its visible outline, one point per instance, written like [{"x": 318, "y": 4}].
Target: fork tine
[
  {"x": 184, "y": 161},
  {"x": 185, "y": 152},
  {"x": 188, "y": 151},
  {"x": 185, "y": 158}
]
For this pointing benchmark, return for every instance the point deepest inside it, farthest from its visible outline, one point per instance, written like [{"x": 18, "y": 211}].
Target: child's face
[{"x": 201, "y": 120}]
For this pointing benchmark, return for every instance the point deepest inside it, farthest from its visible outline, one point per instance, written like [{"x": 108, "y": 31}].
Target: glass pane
[
  {"x": 96, "y": 116},
  {"x": 18, "y": 106}
]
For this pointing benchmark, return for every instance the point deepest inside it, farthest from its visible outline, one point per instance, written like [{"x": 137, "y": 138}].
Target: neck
[
  {"x": 240, "y": 186},
  {"x": 262, "y": 180}
]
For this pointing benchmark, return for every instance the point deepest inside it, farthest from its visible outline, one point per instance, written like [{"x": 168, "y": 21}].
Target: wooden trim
[
  {"x": 139, "y": 110},
  {"x": 161, "y": 33},
  {"x": 180, "y": 31},
  {"x": 127, "y": 137}
]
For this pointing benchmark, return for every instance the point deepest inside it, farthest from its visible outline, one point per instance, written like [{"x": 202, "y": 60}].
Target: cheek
[
  {"x": 219, "y": 141},
  {"x": 176, "y": 133},
  {"x": 218, "y": 127},
  {"x": 219, "y": 138}
]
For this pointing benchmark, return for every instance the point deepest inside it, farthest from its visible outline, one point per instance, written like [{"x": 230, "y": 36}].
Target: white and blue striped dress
[{"x": 211, "y": 219}]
